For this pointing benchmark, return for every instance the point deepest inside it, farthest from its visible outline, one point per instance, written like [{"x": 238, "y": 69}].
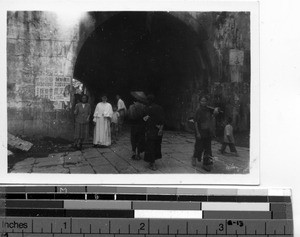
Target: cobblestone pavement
[{"x": 177, "y": 150}]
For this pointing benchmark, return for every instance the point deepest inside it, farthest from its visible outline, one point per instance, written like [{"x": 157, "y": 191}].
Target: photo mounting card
[{"x": 172, "y": 92}]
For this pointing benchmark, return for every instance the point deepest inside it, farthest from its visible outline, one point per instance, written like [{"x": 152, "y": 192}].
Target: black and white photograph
[{"x": 133, "y": 94}]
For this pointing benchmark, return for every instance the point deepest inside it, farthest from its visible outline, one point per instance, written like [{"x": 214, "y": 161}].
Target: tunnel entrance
[{"x": 153, "y": 52}]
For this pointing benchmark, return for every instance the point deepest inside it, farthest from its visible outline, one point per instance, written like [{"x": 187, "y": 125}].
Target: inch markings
[
  {"x": 90, "y": 211},
  {"x": 147, "y": 226}
]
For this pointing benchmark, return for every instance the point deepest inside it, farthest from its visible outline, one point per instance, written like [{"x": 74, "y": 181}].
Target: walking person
[
  {"x": 204, "y": 119},
  {"x": 154, "y": 121},
  {"x": 102, "y": 119},
  {"x": 122, "y": 111},
  {"x": 135, "y": 114},
  {"x": 82, "y": 114},
  {"x": 115, "y": 124},
  {"x": 228, "y": 138}
]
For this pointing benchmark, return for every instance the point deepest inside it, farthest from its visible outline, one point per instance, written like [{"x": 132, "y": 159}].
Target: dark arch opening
[{"x": 150, "y": 51}]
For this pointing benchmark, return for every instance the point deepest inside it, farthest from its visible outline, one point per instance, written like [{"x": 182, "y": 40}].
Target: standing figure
[
  {"x": 135, "y": 114},
  {"x": 82, "y": 114},
  {"x": 115, "y": 124},
  {"x": 102, "y": 119},
  {"x": 204, "y": 119},
  {"x": 228, "y": 138},
  {"x": 154, "y": 131},
  {"x": 121, "y": 111}
]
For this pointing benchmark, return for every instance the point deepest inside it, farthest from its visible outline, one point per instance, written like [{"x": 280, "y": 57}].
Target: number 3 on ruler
[{"x": 221, "y": 227}]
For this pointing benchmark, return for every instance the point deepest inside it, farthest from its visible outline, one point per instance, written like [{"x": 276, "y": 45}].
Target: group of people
[
  {"x": 147, "y": 122},
  {"x": 145, "y": 117}
]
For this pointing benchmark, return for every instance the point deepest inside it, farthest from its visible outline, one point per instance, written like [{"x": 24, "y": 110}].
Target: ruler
[{"x": 88, "y": 211}]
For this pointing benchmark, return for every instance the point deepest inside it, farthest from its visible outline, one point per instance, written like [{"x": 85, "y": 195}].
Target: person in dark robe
[
  {"x": 135, "y": 114},
  {"x": 204, "y": 124},
  {"x": 154, "y": 120},
  {"x": 82, "y": 114}
]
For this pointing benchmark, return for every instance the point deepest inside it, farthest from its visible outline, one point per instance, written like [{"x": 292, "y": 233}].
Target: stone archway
[
  {"x": 154, "y": 52},
  {"x": 175, "y": 55},
  {"x": 165, "y": 54}
]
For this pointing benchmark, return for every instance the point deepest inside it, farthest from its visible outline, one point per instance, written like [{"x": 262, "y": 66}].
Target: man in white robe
[{"x": 102, "y": 119}]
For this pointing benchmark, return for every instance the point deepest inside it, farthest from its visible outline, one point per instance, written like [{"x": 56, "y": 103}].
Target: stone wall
[
  {"x": 40, "y": 56},
  {"x": 230, "y": 87},
  {"x": 226, "y": 52}
]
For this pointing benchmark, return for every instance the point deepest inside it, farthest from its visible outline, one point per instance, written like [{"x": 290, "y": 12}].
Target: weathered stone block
[
  {"x": 72, "y": 159},
  {"x": 26, "y": 92},
  {"x": 27, "y": 77},
  {"x": 18, "y": 143},
  {"x": 50, "y": 116},
  {"x": 15, "y": 126},
  {"x": 27, "y": 113},
  {"x": 98, "y": 161},
  {"x": 37, "y": 113},
  {"x": 25, "y": 169},
  {"x": 14, "y": 114},
  {"x": 28, "y": 127},
  {"x": 64, "y": 115},
  {"x": 24, "y": 163},
  {"x": 40, "y": 127},
  {"x": 11, "y": 48}
]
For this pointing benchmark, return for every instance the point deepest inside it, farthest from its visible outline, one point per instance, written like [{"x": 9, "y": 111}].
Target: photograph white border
[{"x": 159, "y": 5}]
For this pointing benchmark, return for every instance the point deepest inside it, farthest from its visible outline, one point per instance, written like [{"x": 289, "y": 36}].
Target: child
[
  {"x": 115, "y": 124},
  {"x": 228, "y": 138}
]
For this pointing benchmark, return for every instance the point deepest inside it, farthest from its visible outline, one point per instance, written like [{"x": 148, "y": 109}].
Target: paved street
[{"x": 177, "y": 149}]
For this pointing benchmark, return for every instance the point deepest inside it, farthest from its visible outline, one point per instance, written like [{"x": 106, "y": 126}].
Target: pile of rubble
[{"x": 17, "y": 143}]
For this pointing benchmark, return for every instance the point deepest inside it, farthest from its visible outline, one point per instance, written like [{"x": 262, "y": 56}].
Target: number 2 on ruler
[{"x": 142, "y": 226}]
